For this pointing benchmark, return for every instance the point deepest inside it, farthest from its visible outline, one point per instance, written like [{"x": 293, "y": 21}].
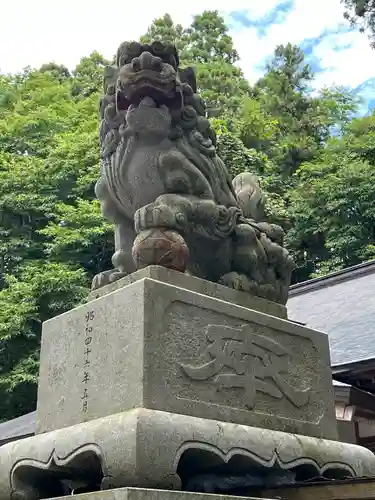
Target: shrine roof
[
  {"x": 20, "y": 427},
  {"x": 342, "y": 305}
]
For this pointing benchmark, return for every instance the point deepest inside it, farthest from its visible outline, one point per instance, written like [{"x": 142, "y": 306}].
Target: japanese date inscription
[
  {"x": 240, "y": 358},
  {"x": 89, "y": 317}
]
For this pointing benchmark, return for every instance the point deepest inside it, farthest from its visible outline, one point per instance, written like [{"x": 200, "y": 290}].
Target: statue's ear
[
  {"x": 187, "y": 75},
  {"x": 110, "y": 77}
]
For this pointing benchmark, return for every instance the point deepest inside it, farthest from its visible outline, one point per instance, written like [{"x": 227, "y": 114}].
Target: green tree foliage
[
  {"x": 59, "y": 71},
  {"x": 207, "y": 46},
  {"x": 210, "y": 40},
  {"x": 282, "y": 93},
  {"x": 53, "y": 238},
  {"x": 164, "y": 29},
  {"x": 315, "y": 162},
  {"x": 289, "y": 124},
  {"x": 39, "y": 291},
  {"x": 332, "y": 203},
  {"x": 238, "y": 158},
  {"x": 257, "y": 128},
  {"x": 361, "y": 13},
  {"x": 88, "y": 75},
  {"x": 221, "y": 82}
]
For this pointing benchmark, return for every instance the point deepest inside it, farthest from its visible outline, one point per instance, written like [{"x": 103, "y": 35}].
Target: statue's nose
[{"x": 146, "y": 61}]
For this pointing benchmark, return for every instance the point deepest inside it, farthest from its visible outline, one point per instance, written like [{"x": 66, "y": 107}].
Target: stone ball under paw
[{"x": 161, "y": 247}]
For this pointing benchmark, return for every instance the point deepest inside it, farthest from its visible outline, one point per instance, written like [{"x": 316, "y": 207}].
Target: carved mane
[{"x": 191, "y": 133}]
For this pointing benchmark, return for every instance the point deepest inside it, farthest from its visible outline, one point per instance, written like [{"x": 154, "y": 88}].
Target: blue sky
[{"x": 33, "y": 32}]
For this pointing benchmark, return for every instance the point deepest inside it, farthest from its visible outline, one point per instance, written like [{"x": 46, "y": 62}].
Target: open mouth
[{"x": 132, "y": 88}]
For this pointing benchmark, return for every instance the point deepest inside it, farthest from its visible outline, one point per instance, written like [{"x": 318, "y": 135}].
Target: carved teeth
[{"x": 148, "y": 102}]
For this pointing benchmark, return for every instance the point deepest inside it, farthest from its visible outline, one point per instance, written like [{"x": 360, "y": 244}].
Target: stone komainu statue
[{"x": 168, "y": 194}]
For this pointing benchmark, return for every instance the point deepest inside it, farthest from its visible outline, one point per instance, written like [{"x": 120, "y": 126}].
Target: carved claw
[
  {"x": 270, "y": 289},
  {"x": 107, "y": 483},
  {"x": 157, "y": 216},
  {"x": 239, "y": 281},
  {"x": 25, "y": 494},
  {"x": 105, "y": 278}
]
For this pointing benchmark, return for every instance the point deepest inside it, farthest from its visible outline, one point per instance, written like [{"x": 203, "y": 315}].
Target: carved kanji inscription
[{"x": 240, "y": 358}]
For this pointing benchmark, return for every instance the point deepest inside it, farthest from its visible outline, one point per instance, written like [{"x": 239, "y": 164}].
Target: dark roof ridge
[
  {"x": 18, "y": 427},
  {"x": 333, "y": 278},
  {"x": 360, "y": 363}
]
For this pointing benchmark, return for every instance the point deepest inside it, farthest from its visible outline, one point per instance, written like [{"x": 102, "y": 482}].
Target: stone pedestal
[
  {"x": 154, "y": 345},
  {"x": 142, "y": 494},
  {"x": 167, "y": 382}
]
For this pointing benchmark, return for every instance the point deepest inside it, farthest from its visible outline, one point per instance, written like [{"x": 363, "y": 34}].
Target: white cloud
[
  {"x": 349, "y": 67},
  {"x": 308, "y": 20},
  {"x": 39, "y": 31}
]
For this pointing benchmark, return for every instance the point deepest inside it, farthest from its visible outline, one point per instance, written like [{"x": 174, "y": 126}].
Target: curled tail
[{"x": 249, "y": 196}]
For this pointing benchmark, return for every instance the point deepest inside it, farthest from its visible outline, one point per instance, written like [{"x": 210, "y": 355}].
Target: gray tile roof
[
  {"x": 343, "y": 306},
  {"x": 18, "y": 427}
]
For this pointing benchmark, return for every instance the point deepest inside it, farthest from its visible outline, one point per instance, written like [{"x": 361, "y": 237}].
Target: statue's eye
[
  {"x": 168, "y": 59},
  {"x": 135, "y": 49},
  {"x": 157, "y": 48},
  {"x": 127, "y": 57}
]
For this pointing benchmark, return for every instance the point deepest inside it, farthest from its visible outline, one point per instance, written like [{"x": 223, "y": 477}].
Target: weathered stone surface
[
  {"x": 154, "y": 449},
  {"x": 154, "y": 345},
  {"x": 160, "y": 171},
  {"x": 198, "y": 285},
  {"x": 148, "y": 494},
  {"x": 162, "y": 247},
  {"x": 361, "y": 489}
]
